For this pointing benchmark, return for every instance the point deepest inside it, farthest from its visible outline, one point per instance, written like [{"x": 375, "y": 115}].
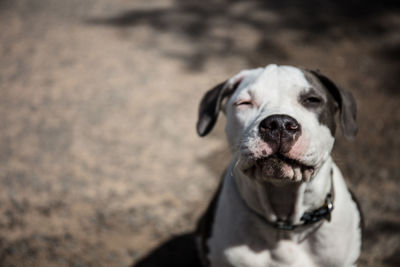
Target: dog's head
[{"x": 280, "y": 120}]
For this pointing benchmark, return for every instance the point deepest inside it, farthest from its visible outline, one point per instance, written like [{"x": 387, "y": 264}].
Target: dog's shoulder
[{"x": 204, "y": 226}]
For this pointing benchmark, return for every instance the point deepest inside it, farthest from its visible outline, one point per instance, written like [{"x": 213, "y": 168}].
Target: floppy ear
[
  {"x": 347, "y": 105},
  {"x": 210, "y": 105},
  {"x": 209, "y": 109}
]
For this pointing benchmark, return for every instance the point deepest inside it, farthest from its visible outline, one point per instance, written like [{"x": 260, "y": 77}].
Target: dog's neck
[
  {"x": 282, "y": 199},
  {"x": 286, "y": 201}
]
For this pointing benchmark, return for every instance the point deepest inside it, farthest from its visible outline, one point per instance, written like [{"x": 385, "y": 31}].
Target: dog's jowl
[{"x": 282, "y": 201}]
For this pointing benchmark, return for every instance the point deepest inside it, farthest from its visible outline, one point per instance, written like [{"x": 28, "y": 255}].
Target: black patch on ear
[
  {"x": 346, "y": 102},
  {"x": 210, "y": 106}
]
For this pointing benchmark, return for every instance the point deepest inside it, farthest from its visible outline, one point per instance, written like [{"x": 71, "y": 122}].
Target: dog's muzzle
[{"x": 280, "y": 132}]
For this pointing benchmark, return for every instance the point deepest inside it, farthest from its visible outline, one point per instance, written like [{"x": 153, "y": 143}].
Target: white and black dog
[{"x": 282, "y": 201}]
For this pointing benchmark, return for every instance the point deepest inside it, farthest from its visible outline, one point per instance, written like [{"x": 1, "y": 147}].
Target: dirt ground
[{"x": 100, "y": 161}]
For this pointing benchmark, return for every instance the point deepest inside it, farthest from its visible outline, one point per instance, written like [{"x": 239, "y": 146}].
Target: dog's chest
[
  {"x": 285, "y": 254},
  {"x": 231, "y": 244},
  {"x": 240, "y": 239}
]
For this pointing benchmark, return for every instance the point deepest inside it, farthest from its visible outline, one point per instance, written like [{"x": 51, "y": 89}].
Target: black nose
[{"x": 280, "y": 132}]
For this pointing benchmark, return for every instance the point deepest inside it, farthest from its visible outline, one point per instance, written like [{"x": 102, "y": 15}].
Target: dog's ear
[
  {"x": 347, "y": 105},
  {"x": 211, "y": 103}
]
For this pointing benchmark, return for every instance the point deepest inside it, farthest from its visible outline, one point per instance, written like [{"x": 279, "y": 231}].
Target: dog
[{"x": 282, "y": 200}]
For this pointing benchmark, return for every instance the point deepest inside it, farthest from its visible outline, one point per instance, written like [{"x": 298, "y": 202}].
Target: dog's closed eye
[{"x": 244, "y": 102}]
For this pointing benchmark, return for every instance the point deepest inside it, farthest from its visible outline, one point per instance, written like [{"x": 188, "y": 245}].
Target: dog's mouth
[{"x": 279, "y": 167}]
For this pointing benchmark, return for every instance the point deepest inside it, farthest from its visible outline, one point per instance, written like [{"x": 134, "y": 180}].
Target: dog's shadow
[{"x": 177, "y": 251}]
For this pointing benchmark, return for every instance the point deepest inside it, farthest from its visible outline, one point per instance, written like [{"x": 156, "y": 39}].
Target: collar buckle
[{"x": 323, "y": 212}]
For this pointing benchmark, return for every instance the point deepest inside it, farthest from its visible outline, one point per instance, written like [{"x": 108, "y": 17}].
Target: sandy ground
[{"x": 100, "y": 162}]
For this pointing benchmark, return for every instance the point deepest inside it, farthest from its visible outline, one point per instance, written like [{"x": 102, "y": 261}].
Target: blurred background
[{"x": 99, "y": 159}]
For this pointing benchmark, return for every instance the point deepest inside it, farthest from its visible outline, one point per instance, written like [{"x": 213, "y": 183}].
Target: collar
[{"x": 309, "y": 217}]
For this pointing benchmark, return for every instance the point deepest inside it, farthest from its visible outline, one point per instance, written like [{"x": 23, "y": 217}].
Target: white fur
[{"x": 239, "y": 237}]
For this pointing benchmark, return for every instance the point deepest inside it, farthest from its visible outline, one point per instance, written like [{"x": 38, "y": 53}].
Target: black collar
[{"x": 309, "y": 217}]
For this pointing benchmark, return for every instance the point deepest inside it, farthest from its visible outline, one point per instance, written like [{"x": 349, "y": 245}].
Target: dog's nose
[{"x": 279, "y": 131}]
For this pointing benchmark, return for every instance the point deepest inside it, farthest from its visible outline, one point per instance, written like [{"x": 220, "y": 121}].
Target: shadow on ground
[
  {"x": 206, "y": 24},
  {"x": 178, "y": 251}
]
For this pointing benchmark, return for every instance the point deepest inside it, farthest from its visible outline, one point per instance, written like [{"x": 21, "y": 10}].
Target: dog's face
[{"x": 280, "y": 120}]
